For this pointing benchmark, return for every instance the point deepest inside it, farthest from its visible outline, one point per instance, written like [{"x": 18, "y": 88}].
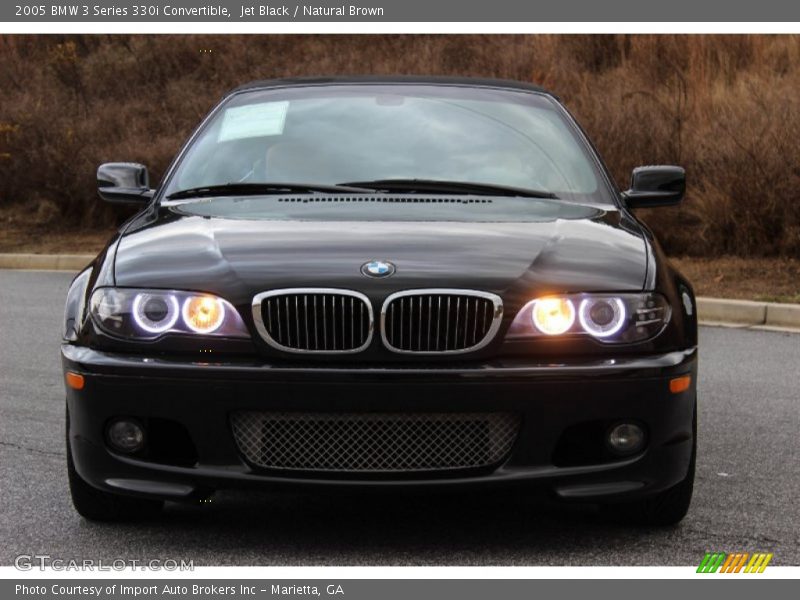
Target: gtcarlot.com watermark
[{"x": 43, "y": 562}]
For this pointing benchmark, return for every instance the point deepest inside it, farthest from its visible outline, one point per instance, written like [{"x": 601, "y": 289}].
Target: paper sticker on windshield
[{"x": 253, "y": 120}]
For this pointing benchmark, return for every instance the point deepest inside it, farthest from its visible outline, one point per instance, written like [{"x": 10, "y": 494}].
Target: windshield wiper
[
  {"x": 259, "y": 189},
  {"x": 453, "y": 187}
]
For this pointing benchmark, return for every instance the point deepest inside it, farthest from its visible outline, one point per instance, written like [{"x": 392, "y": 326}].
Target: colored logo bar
[{"x": 738, "y": 562}]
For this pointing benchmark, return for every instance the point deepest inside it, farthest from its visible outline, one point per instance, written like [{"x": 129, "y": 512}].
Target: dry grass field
[{"x": 726, "y": 107}]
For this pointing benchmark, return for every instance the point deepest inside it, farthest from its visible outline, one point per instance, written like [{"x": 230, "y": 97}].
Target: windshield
[{"x": 333, "y": 135}]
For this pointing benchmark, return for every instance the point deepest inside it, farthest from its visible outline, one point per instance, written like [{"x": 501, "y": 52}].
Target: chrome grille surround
[
  {"x": 306, "y": 324},
  {"x": 488, "y": 311},
  {"x": 374, "y": 442}
]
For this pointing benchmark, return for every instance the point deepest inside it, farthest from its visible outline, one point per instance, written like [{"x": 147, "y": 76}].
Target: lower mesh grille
[{"x": 374, "y": 442}]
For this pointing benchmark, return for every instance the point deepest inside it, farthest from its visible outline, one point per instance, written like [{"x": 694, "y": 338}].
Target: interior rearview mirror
[
  {"x": 659, "y": 185},
  {"x": 124, "y": 183}
]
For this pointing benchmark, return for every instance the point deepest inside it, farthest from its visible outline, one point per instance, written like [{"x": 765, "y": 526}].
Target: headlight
[
  {"x": 602, "y": 317},
  {"x": 609, "y": 318},
  {"x": 553, "y": 316},
  {"x": 203, "y": 314},
  {"x": 155, "y": 313},
  {"x": 149, "y": 314}
]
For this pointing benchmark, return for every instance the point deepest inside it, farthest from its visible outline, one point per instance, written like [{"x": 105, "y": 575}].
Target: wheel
[
  {"x": 97, "y": 505},
  {"x": 666, "y": 508}
]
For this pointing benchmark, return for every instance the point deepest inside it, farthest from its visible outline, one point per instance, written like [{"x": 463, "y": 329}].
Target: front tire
[{"x": 97, "y": 505}]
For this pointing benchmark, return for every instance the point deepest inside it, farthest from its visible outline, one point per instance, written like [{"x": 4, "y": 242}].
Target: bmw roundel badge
[{"x": 378, "y": 268}]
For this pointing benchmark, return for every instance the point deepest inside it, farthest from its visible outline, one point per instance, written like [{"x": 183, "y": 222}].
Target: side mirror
[
  {"x": 656, "y": 186},
  {"x": 124, "y": 183}
]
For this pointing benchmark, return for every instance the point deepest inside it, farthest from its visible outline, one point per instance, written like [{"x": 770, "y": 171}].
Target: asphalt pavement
[{"x": 748, "y": 479}]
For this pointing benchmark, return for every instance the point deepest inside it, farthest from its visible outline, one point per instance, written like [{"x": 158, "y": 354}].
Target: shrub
[{"x": 723, "y": 106}]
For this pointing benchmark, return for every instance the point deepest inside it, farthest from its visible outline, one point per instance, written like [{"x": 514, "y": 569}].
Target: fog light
[
  {"x": 626, "y": 438},
  {"x": 126, "y": 436}
]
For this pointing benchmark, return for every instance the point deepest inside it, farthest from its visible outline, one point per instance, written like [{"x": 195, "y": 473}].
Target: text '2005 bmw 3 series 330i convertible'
[{"x": 383, "y": 283}]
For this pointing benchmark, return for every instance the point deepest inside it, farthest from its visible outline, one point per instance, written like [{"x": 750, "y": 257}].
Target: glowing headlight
[
  {"x": 149, "y": 314},
  {"x": 155, "y": 313},
  {"x": 553, "y": 316},
  {"x": 609, "y": 318},
  {"x": 602, "y": 317},
  {"x": 203, "y": 314}
]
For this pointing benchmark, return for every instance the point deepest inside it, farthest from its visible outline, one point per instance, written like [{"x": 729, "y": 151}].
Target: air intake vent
[
  {"x": 374, "y": 442},
  {"x": 440, "y": 321},
  {"x": 366, "y": 199},
  {"x": 312, "y": 320}
]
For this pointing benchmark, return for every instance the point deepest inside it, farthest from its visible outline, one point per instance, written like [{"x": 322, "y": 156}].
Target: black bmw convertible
[{"x": 378, "y": 283}]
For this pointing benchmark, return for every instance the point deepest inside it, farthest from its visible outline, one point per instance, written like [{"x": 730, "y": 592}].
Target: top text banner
[{"x": 242, "y": 11}]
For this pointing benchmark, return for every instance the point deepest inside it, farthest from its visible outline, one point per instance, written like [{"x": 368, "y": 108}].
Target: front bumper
[{"x": 551, "y": 399}]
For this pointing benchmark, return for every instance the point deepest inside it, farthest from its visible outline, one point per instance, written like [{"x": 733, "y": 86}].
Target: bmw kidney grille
[
  {"x": 440, "y": 321},
  {"x": 427, "y": 321},
  {"x": 314, "y": 320}
]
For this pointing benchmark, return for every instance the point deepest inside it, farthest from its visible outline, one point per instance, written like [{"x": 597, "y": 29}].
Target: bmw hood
[{"x": 581, "y": 249}]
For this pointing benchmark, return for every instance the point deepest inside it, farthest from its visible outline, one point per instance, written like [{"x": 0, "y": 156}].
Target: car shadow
[{"x": 349, "y": 528}]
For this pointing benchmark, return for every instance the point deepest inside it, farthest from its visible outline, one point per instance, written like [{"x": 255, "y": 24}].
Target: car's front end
[
  {"x": 210, "y": 425},
  {"x": 380, "y": 337}
]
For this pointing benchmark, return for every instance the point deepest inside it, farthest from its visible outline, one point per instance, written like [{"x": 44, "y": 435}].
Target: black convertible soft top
[{"x": 410, "y": 79}]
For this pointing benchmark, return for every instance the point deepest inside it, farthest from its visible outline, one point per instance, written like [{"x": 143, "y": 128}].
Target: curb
[
  {"x": 746, "y": 313},
  {"x": 46, "y": 262},
  {"x": 711, "y": 311},
  {"x": 740, "y": 312}
]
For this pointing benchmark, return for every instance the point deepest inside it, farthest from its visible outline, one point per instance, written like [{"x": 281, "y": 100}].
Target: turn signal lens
[
  {"x": 680, "y": 384},
  {"x": 203, "y": 314},
  {"x": 75, "y": 380},
  {"x": 553, "y": 316}
]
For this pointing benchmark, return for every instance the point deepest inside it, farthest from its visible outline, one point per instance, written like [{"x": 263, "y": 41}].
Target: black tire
[
  {"x": 97, "y": 505},
  {"x": 667, "y": 508}
]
